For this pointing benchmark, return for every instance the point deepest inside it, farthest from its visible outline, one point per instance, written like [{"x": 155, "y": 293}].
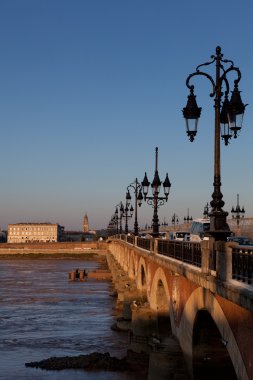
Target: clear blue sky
[{"x": 89, "y": 88}]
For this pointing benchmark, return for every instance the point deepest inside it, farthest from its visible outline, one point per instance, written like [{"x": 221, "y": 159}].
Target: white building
[{"x": 34, "y": 232}]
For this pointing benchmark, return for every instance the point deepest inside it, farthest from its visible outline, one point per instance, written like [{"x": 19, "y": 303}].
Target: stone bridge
[{"x": 198, "y": 293}]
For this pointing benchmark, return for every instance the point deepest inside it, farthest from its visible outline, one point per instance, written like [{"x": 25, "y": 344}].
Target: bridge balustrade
[
  {"x": 242, "y": 264},
  {"x": 145, "y": 243},
  {"x": 239, "y": 259},
  {"x": 130, "y": 239},
  {"x": 189, "y": 252},
  {"x": 119, "y": 236}
]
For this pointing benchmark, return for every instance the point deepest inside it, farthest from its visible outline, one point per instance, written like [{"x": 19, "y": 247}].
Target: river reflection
[{"x": 43, "y": 314}]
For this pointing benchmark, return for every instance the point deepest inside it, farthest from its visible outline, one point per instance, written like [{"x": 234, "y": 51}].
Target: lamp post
[
  {"x": 126, "y": 212},
  {"x": 238, "y": 212},
  {"x": 206, "y": 211},
  {"x": 111, "y": 225},
  {"x": 188, "y": 219},
  {"x": 174, "y": 220},
  {"x": 164, "y": 224},
  {"x": 228, "y": 122},
  {"x": 155, "y": 201},
  {"x": 138, "y": 201},
  {"x": 116, "y": 220}
]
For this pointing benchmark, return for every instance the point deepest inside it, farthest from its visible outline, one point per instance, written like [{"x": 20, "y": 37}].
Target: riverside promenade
[{"x": 53, "y": 248}]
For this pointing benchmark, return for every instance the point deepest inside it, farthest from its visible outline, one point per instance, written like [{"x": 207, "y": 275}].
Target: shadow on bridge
[{"x": 211, "y": 359}]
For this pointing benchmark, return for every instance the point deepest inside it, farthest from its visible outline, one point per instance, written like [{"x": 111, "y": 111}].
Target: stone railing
[
  {"x": 188, "y": 252},
  {"x": 242, "y": 264},
  {"x": 226, "y": 261}
]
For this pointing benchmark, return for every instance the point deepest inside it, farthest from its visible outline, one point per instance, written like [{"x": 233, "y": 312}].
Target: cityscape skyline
[{"x": 89, "y": 89}]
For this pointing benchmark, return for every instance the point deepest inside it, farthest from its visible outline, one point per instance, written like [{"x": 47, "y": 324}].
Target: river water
[{"x": 43, "y": 314}]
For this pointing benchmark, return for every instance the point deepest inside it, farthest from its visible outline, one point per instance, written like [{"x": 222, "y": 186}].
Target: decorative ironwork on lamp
[
  {"x": 156, "y": 201},
  {"x": 228, "y": 122}
]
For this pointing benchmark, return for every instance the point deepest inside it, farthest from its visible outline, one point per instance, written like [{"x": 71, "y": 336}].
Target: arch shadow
[{"x": 205, "y": 336}]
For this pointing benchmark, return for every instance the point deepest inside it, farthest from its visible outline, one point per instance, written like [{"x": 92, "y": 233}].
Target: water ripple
[{"x": 43, "y": 314}]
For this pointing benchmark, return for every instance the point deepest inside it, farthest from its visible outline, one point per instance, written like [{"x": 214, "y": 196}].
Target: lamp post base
[{"x": 219, "y": 229}]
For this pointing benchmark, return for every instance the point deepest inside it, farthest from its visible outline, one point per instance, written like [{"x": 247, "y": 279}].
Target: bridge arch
[
  {"x": 203, "y": 317},
  {"x": 210, "y": 355},
  {"x": 159, "y": 301}
]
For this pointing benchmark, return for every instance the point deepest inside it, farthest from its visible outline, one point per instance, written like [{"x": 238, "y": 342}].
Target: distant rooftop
[{"x": 31, "y": 223}]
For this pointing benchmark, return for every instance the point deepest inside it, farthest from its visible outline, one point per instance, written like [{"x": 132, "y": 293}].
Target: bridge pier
[
  {"x": 166, "y": 360},
  {"x": 169, "y": 364},
  {"x": 143, "y": 328},
  {"x": 147, "y": 333},
  {"x": 127, "y": 293}
]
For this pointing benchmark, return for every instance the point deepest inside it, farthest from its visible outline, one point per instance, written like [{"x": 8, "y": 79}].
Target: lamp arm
[
  {"x": 214, "y": 58},
  {"x": 227, "y": 61},
  {"x": 191, "y": 87},
  {"x": 150, "y": 201},
  {"x": 131, "y": 185},
  {"x": 206, "y": 63},
  {"x": 134, "y": 185},
  {"x": 160, "y": 201},
  {"x": 224, "y": 75}
]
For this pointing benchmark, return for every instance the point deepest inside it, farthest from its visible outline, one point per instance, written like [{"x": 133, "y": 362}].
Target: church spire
[{"x": 85, "y": 223}]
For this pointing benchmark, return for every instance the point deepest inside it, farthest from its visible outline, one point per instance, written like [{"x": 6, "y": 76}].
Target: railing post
[
  {"x": 208, "y": 255},
  {"x": 155, "y": 246},
  {"x": 224, "y": 261},
  {"x": 229, "y": 257},
  {"x": 205, "y": 251}
]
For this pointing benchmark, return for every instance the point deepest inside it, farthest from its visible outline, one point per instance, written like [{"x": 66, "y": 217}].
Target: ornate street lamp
[
  {"x": 138, "y": 201},
  {"x": 174, "y": 220},
  {"x": 206, "y": 211},
  {"x": 118, "y": 218},
  {"x": 126, "y": 212},
  {"x": 155, "y": 201},
  {"x": 164, "y": 224},
  {"x": 188, "y": 219},
  {"x": 111, "y": 226},
  {"x": 238, "y": 212},
  {"x": 228, "y": 122}
]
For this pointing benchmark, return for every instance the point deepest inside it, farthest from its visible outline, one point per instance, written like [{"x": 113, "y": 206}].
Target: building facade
[
  {"x": 35, "y": 232},
  {"x": 79, "y": 236}
]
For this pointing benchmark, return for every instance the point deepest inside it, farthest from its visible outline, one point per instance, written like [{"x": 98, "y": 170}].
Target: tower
[{"x": 85, "y": 223}]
